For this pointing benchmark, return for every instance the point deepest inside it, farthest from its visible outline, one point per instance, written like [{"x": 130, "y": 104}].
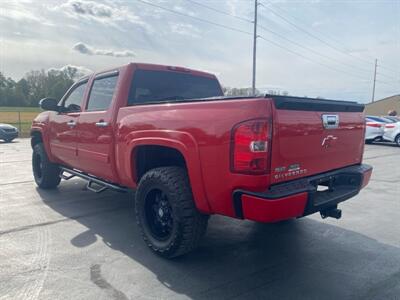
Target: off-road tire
[
  {"x": 189, "y": 225},
  {"x": 46, "y": 173}
]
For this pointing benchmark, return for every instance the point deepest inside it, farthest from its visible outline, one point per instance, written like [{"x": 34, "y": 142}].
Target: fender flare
[
  {"x": 41, "y": 129},
  {"x": 180, "y": 141}
]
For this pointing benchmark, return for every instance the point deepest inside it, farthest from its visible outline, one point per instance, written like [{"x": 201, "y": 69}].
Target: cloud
[
  {"x": 20, "y": 11},
  {"x": 75, "y": 72},
  {"x": 181, "y": 9},
  {"x": 184, "y": 29},
  {"x": 107, "y": 13},
  {"x": 386, "y": 42},
  {"x": 358, "y": 50},
  {"x": 85, "y": 49},
  {"x": 91, "y": 8},
  {"x": 317, "y": 23}
]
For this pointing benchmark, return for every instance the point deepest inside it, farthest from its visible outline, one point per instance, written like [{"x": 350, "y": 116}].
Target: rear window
[{"x": 167, "y": 86}]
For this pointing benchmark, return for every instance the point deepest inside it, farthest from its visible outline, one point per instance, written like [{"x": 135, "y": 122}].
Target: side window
[
  {"x": 102, "y": 93},
  {"x": 73, "y": 103}
]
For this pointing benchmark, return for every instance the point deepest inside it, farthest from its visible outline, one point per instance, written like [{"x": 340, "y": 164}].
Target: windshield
[{"x": 158, "y": 86}]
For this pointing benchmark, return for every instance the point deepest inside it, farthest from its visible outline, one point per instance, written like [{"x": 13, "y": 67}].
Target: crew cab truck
[{"x": 189, "y": 152}]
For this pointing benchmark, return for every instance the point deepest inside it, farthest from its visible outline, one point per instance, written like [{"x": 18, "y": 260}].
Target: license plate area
[
  {"x": 333, "y": 189},
  {"x": 325, "y": 184}
]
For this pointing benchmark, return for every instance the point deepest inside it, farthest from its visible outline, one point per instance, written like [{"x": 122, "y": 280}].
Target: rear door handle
[
  {"x": 101, "y": 124},
  {"x": 71, "y": 123}
]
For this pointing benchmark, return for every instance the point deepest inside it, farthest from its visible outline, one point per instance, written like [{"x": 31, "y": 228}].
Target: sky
[{"x": 324, "y": 48}]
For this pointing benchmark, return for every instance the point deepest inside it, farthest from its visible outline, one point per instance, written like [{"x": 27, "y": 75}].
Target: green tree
[
  {"x": 7, "y": 90},
  {"x": 36, "y": 85}
]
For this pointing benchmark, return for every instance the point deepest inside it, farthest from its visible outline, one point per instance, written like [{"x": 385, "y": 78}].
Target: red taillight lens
[
  {"x": 250, "y": 147},
  {"x": 372, "y": 124},
  {"x": 390, "y": 126}
]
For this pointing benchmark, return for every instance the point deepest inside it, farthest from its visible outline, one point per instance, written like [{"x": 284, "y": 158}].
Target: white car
[
  {"x": 374, "y": 129},
  {"x": 392, "y": 118},
  {"x": 392, "y": 132}
]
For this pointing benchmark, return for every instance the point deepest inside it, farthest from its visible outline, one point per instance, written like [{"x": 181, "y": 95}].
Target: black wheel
[
  {"x": 369, "y": 142},
  {"x": 397, "y": 140},
  {"x": 8, "y": 140},
  {"x": 166, "y": 214},
  {"x": 46, "y": 174}
]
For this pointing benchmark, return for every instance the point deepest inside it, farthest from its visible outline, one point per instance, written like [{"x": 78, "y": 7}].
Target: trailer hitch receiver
[{"x": 331, "y": 212}]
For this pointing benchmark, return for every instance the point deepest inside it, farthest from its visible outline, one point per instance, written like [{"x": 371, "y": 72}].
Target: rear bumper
[{"x": 301, "y": 197}]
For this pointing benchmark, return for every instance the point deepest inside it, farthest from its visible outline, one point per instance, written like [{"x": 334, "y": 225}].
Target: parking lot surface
[{"x": 71, "y": 243}]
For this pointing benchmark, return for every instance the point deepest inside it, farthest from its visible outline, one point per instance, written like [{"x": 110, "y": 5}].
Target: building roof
[
  {"x": 385, "y": 99},
  {"x": 383, "y": 106}
]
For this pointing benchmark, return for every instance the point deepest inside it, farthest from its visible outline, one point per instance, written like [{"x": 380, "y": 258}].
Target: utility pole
[
  {"x": 373, "y": 89},
  {"x": 253, "y": 86}
]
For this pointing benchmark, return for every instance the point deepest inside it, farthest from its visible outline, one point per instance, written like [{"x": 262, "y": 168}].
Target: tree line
[
  {"x": 38, "y": 84},
  {"x": 35, "y": 85}
]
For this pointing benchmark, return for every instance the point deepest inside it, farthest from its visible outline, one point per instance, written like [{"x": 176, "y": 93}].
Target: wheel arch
[
  {"x": 183, "y": 150},
  {"x": 147, "y": 157},
  {"x": 36, "y": 137},
  {"x": 396, "y": 138}
]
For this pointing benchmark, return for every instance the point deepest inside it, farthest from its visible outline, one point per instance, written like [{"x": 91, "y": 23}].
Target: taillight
[
  {"x": 390, "y": 126},
  {"x": 250, "y": 147},
  {"x": 373, "y": 124}
]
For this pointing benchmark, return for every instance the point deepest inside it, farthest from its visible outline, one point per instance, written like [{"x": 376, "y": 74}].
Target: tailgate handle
[{"x": 330, "y": 121}]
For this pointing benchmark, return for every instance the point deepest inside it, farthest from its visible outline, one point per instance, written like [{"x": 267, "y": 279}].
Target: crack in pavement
[
  {"x": 16, "y": 182},
  {"x": 384, "y": 180},
  {"x": 381, "y": 156},
  {"x": 28, "y": 227},
  {"x": 101, "y": 282},
  {"x": 14, "y": 161}
]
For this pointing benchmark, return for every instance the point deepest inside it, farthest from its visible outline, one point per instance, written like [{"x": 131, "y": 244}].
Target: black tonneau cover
[
  {"x": 284, "y": 102},
  {"x": 312, "y": 104}
]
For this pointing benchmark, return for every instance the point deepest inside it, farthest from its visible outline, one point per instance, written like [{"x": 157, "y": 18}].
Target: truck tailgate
[{"x": 312, "y": 136}]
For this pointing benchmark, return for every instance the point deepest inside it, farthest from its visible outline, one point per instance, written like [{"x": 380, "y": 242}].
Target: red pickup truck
[{"x": 189, "y": 152}]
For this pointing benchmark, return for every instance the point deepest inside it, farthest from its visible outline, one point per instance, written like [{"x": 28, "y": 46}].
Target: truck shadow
[{"x": 237, "y": 259}]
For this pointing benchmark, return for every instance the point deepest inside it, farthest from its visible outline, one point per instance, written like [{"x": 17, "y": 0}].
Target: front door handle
[
  {"x": 101, "y": 124},
  {"x": 71, "y": 123}
]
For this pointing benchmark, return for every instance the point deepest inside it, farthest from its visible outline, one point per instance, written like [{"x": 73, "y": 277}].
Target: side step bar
[{"x": 102, "y": 185}]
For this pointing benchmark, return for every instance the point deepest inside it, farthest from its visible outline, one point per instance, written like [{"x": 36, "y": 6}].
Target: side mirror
[
  {"x": 49, "y": 104},
  {"x": 73, "y": 108}
]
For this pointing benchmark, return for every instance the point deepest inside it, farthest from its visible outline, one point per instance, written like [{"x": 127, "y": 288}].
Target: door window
[
  {"x": 73, "y": 103},
  {"x": 102, "y": 93}
]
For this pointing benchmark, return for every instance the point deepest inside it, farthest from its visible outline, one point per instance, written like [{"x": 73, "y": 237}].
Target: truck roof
[
  {"x": 156, "y": 67},
  {"x": 152, "y": 67}
]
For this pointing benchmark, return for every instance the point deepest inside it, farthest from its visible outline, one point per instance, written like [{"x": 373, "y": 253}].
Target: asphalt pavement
[{"x": 71, "y": 243}]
